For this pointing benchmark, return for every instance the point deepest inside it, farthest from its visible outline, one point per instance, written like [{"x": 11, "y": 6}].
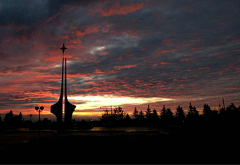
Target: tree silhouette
[
  {"x": 115, "y": 111},
  {"x": 231, "y": 115},
  {"x": 9, "y": 118},
  {"x": 20, "y": 116},
  {"x": 192, "y": 112},
  {"x": 195, "y": 111},
  {"x": 148, "y": 113},
  {"x": 154, "y": 114},
  {"x": 231, "y": 107},
  {"x": 141, "y": 115},
  {"x": 169, "y": 116},
  {"x": 163, "y": 113},
  {"x": 120, "y": 113},
  {"x": 222, "y": 110},
  {"x": 208, "y": 121},
  {"x": 208, "y": 117},
  {"x": 128, "y": 117},
  {"x": 135, "y": 113},
  {"x": 192, "y": 118},
  {"x": 17, "y": 120},
  {"x": 180, "y": 115},
  {"x": 207, "y": 110}
]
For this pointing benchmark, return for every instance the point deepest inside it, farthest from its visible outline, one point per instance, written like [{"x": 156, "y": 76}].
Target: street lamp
[
  {"x": 30, "y": 117},
  {"x": 39, "y": 109}
]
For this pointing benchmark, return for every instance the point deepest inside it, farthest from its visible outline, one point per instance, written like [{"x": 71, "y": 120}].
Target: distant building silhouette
[{"x": 57, "y": 109}]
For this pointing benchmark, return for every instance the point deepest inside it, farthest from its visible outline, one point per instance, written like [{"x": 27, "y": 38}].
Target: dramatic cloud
[{"x": 120, "y": 53}]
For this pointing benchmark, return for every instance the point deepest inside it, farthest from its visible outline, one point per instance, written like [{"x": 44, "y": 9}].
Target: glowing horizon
[{"x": 92, "y": 102}]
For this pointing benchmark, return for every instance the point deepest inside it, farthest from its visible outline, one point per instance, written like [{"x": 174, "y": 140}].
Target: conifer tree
[
  {"x": 154, "y": 114},
  {"x": 180, "y": 115},
  {"x": 135, "y": 113},
  {"x": 148, "y": 113},
  {"x": 207, "y": 110},
  {"x": 169, "y": 115},
  {"x": 9, "y": 117},
  {"x": 141, "y": 115},
  {"x": 192, "y": 111},
  {"x": 195, "y": 111},
  {"x": 163, "y": 113},
  {"x": 128, "y": 117},
  {"x": 20, "y": 116}
]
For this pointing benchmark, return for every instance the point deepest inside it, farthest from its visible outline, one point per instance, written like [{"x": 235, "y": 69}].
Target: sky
[{"x": 120, "y": 53}]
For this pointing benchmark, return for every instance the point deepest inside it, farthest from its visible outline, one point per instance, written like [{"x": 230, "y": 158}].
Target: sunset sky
[{"x": 127, "y": 53}]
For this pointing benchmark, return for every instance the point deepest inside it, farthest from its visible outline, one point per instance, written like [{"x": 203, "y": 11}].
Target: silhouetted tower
[
  {"x": 57, "y": 109},
  {"x": 69, "y": 108}
]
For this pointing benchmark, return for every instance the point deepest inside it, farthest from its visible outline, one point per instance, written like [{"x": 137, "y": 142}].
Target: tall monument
[{"x": 57, "y": 108}]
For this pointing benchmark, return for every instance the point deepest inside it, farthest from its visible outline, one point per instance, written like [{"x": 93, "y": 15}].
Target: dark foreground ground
[{"x": 120, "y": 147}]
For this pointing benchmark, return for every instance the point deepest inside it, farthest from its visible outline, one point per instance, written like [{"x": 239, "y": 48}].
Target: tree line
[
  {"x": 229, "y": 115},
  {"x": 13, "y": 121},
  {"x": 225, "y": 116}
]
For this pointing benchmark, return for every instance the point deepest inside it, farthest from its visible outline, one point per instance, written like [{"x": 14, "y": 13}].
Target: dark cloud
[
  {"x": 186, "y": 50},
  {"x": 24, "y": 12}
]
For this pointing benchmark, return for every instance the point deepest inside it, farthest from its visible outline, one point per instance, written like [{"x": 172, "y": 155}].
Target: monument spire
[
  {"x": 63, "y": 48},
  {"x": 57, "y": 109},
  {"x": 69, "y": 108}
]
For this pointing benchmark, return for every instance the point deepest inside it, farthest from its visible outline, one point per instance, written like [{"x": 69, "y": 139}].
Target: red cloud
[
  {"x": 169, "y": 42},
  {"x": 165, "y": 63},
  {"x": 104, "y": 53},
  {"x": 237, "y": 50},
  {"x": 117, "y": 9},
  {"x": 88, "y": 30},
  {"x": 98, "y": 71},
  {"x": 167, "y": 51},
  {"x": 197, "y": 48},
  {"x": 53, "y": 17},
  {"x": 125, "y": 66},
  {"x": 186, "y": 59},
  {"x": 204, "y": 68},
  {"x": 236, "y": 38},
  {"x": 187, "y": 70}
]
